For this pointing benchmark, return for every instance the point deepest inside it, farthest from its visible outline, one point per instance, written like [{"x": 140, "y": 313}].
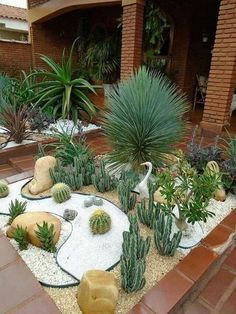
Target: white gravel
[{"x": 82, "y": 251}]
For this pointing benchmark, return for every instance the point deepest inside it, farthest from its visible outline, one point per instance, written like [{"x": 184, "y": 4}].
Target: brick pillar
[
  {"x": 132, "y": 36},
  {"x": 222, "y": 77}
]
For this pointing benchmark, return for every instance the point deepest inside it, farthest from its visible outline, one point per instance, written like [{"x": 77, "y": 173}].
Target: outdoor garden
[{"x": 99, "y": 231}]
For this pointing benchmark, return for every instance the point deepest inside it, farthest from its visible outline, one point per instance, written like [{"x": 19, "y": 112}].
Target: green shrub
[
  {"x": 16, "y": 208},
  {"x": 144, "y": 119}
]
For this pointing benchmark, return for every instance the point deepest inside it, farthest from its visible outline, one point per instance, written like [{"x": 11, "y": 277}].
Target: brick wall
[
  {"x": 222, "y": 79},
  {"x": 14, "y": 56},
  {"x": 132, "y": 35}
]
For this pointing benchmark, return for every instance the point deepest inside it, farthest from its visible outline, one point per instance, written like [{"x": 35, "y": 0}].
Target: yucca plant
[
  {"x": 62, "y": 89},
  {"x": 14, "y": 120},
  {"x": 144, "y": 120}
]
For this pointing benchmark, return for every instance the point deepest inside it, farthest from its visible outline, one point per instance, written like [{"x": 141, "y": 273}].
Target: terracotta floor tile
[
  {"x": 7, "y": 253},
  {"x": 217, "y": 286},
  {"x": 230, "y": 220},
  {"x": 229, "y": 306},
  {"x": 24, "y": 165},
  {"x": 217, "y": 236},
  {"x": 167, "y": 293},
  {"x": 17, "y": 285},
  {"x": 41, "y": 304},
  {"x": 140, "y": 308},
  {"x": 20, "y": 158},
  {"x": 231, "y": 260},
  {"x": 196, "y": 262},
  {"x": 196, "y": 308}
]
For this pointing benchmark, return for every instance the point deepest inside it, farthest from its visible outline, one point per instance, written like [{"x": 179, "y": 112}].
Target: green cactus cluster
[
  {"x": 147, "y": 215},
  {"x": 70, "y": 175},
  {"x": 162, "y": 235},
  {"x": 100, "y": 222},
  {"x": 133, "y": 259},
  {"x": 126, "y": 197},
  {"x": 20, "y": 236},
  {"x": 86, "y": 167},
  {"x": 45, "y": 234},
  {"x": 16, "y": 208},
  {"x": 102, "y": 181},
  {"x": 4, "y": 189},
  {"x": 61, "y": 192}
]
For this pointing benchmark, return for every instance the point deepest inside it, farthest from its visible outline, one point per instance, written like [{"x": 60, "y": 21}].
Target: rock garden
[{"x": 99, "y": 231}]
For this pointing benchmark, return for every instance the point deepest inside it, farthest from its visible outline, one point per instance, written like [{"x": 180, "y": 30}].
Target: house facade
[
  {"x": 203, "y": 42},
  {"x": 13, "y": 23}
]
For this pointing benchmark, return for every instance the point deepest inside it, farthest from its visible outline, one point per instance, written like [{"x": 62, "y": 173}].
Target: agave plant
[
  {"x": 144, "y": 120},
  {"x": 61, "y": 88}
]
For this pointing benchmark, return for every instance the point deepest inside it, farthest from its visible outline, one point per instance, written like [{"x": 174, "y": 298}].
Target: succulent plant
[
  {"x": 61, "y": 192},
  {"x": 20, "y": 236},
  {"x": 102, "y": 181},
  {"x": 126, "y": 197},
  {"x": 162, "y": 235},
  {"x": 4, "y": 189},
  {"x": 100, "y": 222},
  {"x": 132, "y": 262},
  {"x": 46, "y": 234},
  {"x": 16, "y": 208}
]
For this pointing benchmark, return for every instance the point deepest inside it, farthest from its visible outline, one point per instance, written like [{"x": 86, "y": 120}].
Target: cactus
[
  {"x": 61, "y": 192},
  {"x": 162, "y": 232},
  {"x": 86, "y": 167},
  {"x": 46, "y": 234},
  {"x": 148, "y": 216},
  {"x": 16, "y": 208},
  {"x": 4, "y": 189},
  {"x": 70, "y": 176},
  {"x": 20, "y": 236},
  {"x": 102, "y": 181},
  {"x": 132, "y": 262},
  {"x": 126, "y": 197},
  {"x": 100, "y": 222}
]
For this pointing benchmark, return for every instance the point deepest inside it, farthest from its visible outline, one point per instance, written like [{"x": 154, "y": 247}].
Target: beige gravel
[{"x": 157, "y": 267}]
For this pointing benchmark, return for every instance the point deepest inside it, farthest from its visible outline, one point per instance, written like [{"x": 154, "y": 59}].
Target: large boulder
[
  {"x": 29, "y": 222},
  {"x": 97, "y": 293},
  {"x": 42, "y": 180}
]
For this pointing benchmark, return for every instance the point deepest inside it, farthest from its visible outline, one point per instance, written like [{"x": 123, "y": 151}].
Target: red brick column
[
  {"x": 132, "y": 36},
  {"x": 222, "y": 77}
]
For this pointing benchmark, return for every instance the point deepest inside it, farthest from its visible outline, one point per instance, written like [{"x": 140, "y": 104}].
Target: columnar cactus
[
  {"x": 149, "y": 215},
  {"x": 126, "y": 197},
  {"x": 4, "y": 189},
  {"x": 70, "y": 176},
  {"x": 86, "y": 167},
  {"x": 132, "y": 262},
  {"x": 102, "y": 181},
  {"x": 162, "y": 236},
  {"x": 61, "y": 192},
  {"x": 100, "y": 222}
]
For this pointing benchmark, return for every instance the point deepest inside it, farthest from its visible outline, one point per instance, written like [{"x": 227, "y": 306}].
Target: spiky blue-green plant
[
  {"x": 61, "y": 192},
  {"x": 144, "y": 119}
]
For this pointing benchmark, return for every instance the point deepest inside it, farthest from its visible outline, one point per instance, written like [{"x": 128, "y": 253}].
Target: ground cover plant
[{"x": 144, "y": 119}]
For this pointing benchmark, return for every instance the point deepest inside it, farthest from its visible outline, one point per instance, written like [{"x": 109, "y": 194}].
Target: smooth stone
[
  {"x": 70, "y": 214},
  {"x": 29, "y": 222},
  {"x": 42, "y": 181},
  {"x": 97, "y": 292}
]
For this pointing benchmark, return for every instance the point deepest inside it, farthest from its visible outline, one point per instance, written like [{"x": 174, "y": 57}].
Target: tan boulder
[
  {"x": 97, "y": 292},
  {"x": 220, "y": 195},
  {"x": 42, "y": 181},
  {"x": 29, "y": 222}
]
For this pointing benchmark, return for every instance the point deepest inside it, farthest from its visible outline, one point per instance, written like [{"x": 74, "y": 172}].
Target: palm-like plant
[
  {"x": 62, "y": 89},
  {"x": 144, "y": 119}
]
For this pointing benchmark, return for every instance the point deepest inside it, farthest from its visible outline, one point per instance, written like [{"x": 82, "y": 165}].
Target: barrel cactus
[
  {"x": 61, "y": 192},
  {"x": 4, "y": 190},
  {"x": 100, "y": 222}
]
